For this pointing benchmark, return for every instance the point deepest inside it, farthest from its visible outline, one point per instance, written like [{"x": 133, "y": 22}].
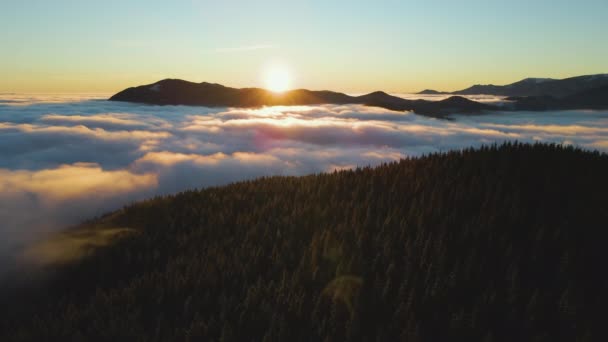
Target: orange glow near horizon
[{"x": 277, "y": 78}]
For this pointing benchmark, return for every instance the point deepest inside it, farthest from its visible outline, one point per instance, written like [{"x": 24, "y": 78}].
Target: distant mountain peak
[
  {"x": 379, "y": 93},
  {"x": 537, "y": 86},
  {"x": 537, "y": 80},
  {"x": 431, "y": 92}
]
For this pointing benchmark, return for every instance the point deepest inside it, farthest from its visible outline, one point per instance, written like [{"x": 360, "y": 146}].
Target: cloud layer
[{"x": 64, "y": 159}]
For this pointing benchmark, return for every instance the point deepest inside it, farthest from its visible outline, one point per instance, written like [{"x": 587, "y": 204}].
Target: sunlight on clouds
[
  {"x": 254, "y": 158},
  {"x": 82, "y": 130},
  {"x": 167, "y": 158},
  {"x": 73, "y": 181},
  {"x": 383, "y": 155},
  {"x": 66, "y": 159},
  {"x": 113, "y": 119},
  {"x": 598, "y": 145},
  {"x": 34, "y": 99},
  {"x": 552, "y": 129},
  {"x": 65, "y": 247}
]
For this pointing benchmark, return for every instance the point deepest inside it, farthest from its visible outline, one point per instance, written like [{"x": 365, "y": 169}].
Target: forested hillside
[{"x": 502, "y": 243}]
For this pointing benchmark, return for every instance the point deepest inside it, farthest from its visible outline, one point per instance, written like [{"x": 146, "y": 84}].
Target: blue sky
[{"x": 355, "y": 46}]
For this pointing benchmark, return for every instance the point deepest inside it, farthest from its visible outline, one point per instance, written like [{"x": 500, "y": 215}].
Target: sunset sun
[{"x": 277, "y": 79}]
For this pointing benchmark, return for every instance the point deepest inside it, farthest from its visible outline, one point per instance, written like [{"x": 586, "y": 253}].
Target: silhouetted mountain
[
  {"x": 454, "y": 104},
  {"x": 534, "y": 103},
  {"x": 596, "y": 98},
  {"x": 179, "y": 92},
  {"x": 431, "y": 92},
  {"x": 540, "y": 87},
  {"x": 496, "y": 244}
]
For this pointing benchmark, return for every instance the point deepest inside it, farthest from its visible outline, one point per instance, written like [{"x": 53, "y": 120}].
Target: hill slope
[{"x": 499, "y": 244}]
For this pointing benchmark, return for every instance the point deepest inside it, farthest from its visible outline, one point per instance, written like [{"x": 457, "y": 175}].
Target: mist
[{"x": 64, "y": 159}]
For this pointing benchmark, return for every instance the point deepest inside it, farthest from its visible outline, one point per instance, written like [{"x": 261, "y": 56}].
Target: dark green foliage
[{"x": 504, "y": 243}]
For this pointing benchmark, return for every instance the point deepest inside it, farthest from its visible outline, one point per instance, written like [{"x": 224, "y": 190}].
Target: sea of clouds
[{"x": 64, "y": 159}]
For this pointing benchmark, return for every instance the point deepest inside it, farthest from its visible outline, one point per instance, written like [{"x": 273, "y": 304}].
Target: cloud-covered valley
[{"x": 67, "y": 158}]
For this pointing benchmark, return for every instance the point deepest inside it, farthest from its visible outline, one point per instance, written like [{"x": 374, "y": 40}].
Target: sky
[{"x": 82, "y": 46}]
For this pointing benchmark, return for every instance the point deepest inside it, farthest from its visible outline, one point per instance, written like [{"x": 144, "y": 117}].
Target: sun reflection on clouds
[
  {"x": 167, "y": 158},
  {"x": 69, "y": 182}
]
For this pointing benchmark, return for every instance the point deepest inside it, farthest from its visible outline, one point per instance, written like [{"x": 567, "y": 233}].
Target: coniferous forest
[{"x": 500, "y": 243}]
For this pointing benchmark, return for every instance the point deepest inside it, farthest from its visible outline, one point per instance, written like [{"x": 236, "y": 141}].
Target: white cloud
[
  {"x": 56, "y": 151},
  {"x": 35, "y": 202},
  {"x": 70, "y": 182}
]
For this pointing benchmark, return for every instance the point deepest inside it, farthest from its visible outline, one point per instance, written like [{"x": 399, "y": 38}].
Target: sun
[{"x": 277, "y": 78}]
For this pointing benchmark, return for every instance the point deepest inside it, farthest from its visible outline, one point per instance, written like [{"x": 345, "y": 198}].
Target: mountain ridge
[
  {"x": 532, "y": 86},
  {"x": 594, "y": 98},
  {"x": 593, "y": 95},
  {"x": 180, "y": 92}
]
